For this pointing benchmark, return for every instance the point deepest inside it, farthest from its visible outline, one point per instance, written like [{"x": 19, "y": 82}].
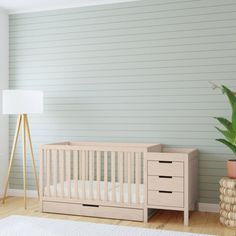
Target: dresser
[
  {"x": 171, "y": 177},
  {"x": 3, "y": 85}
]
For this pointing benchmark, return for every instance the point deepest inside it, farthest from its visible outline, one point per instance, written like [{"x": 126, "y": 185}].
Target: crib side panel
[{"x": 94, "y": 175}]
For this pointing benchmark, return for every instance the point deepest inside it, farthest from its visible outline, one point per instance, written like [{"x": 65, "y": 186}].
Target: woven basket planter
[
  {"x": 227, "y": 222},
  {"x": 228, "y": 183},
  {"x": 228, "y": 192},
  {"x": 228, "y": 214},
  {"x": 228, "y": 202},
  {"x": 228, "y": 199},
  {"x": 228, "y": 207}
]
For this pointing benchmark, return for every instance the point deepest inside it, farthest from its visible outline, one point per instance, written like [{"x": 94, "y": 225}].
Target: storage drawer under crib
[
  {"x": 165, "y": 198},
  {"x": 167, "y": 183},
  {"x": 172, "y": 168},
  {"x": 93, "y": 210}
]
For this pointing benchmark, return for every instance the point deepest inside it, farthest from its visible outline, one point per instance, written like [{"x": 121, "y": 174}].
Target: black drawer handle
[
  {"x": 165, "y": 191},
  {"x": 165, "y": 161},
  {"x": 89, "y": 205},
  {"x": 165, "y": 177}
]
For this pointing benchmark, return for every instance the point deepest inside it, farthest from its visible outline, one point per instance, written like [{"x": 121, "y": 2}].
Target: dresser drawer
[
  {"x": 161, "y": 198},
  {"x": 169, "y": 168},
  {"x": 167, "y": 183}
]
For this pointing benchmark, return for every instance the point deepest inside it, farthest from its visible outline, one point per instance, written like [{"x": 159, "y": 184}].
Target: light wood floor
[{"x": 200, "y": 222}]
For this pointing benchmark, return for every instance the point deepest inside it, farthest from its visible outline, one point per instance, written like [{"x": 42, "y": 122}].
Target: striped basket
[{"x": 228, "y": 202}]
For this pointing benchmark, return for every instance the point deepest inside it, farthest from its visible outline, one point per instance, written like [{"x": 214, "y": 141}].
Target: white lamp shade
[{"x": 22, "y": 101}]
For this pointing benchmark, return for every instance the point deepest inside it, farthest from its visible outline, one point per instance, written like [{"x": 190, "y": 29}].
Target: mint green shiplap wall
[{"x": 129, "y": 72}]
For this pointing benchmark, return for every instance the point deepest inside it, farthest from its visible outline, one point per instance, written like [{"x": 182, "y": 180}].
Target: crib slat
[
  {"x": 132, "y": 167},
  {"x": 68, "y": 172},
  {"x": 113, "y": 176},
  {"x": 105, "y": 177},
  {"x": 80, "y": 174},
  {"x": 87, "y": 165},
  {"x": 80, "y": 165},
  {"x": 41, "y": 156},
  {"x": 48, "y": 172},
  {"x": 62, "y": 170},
  {"x": 54, "y": 164},
  {"x": 129, "y": 178},
  {"x": 83, "y": 174},
  {"x": 121, "y": 171},
  {"x": 137, "y": 176},
  {"x": 91, "y": 174},
  {"x": 75, "y": 172},
  {"x": 126, "y": 167},
  {"x": 98, "y": 174}
]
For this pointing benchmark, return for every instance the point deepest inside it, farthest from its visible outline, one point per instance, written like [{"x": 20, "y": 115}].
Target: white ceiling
[{"x": 17, "y": 6}]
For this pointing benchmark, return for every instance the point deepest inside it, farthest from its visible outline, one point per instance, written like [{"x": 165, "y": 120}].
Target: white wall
[{"x": 3, "y": 85}]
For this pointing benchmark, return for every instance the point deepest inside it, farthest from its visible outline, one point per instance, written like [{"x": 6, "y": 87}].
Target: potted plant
[{"x": 229, "y": 132}]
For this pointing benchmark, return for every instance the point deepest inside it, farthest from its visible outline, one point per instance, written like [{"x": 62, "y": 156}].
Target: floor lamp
[{"x": 22, "y": 102}]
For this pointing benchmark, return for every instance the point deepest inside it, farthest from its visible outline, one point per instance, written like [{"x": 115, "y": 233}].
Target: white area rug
[{"x": 34, "y": 226}]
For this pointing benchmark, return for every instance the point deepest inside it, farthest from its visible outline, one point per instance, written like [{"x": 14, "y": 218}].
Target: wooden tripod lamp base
[{"x": 22, "y": 102}]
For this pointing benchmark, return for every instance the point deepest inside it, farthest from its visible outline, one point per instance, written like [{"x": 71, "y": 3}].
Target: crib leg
[
  {"x": 186, "y": 217},
  {"x": 145, "y": 215}
]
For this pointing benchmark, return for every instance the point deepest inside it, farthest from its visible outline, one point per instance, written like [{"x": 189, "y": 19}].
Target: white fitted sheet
[{"x": 102, "y": 191}]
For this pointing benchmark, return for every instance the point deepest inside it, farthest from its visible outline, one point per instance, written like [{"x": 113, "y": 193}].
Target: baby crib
[{"x": 95, "y": 179}]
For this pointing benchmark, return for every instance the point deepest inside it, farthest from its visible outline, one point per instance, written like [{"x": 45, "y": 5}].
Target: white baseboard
[
  {"x": 20, "y": 193},
  {"x": 208, "y": 207}
]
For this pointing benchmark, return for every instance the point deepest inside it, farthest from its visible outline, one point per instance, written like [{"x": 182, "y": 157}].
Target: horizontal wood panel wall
[{"x": 129, "y": 72}]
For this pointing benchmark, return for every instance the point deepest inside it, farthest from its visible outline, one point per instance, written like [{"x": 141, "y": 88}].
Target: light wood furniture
[
  {"x": 172, "y": 180},
  {"x": 94, "y": 179},
  {"x": 228, "y": 202},
  {"x": 116, "y": 180},
  {"x": 22, "y": 121}
]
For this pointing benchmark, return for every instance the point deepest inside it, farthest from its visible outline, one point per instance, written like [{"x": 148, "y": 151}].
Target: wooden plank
[
  {"x": 91, "y": 174},
  {"x": 132, "y": 167},
  {"x": 62, "y": 170},
  {"x": 126, "y": 167},
  {"x": 54, "y": 170},
  {"x": 75, "y": 172},
  {"x": 41, "y": 173},
  {"x": 105, "y": 177},
  {"x": 83, "y": 174},
  {"x": 98, "y": 169},
  {"x": 137, "y": 176},
  {"x": 80, "y": 164},
  {"x": 121, "y": 175},
  {"x": 144, "y": 176},
  {"x": 113, "y": 176},
  {"x": 68, "y": 173},
  {"x": 48, "y": 157},
  {"x": 129, "y": 178}
]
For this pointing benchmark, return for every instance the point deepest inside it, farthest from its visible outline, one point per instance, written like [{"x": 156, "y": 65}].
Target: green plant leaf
[
  {"x": 228, "y": 144},
  {"x": 226, "y": 123},
  {"x": 229, "y": 135},
  {"x": 230, "y": 95},
  {"x": 234, "y": 117}
]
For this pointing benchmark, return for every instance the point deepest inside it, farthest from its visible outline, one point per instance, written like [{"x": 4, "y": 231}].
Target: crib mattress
[{"x": 91, "y": 186}]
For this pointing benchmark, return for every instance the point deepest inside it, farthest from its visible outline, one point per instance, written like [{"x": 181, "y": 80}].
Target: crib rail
[{"x": 93, "y": 174}]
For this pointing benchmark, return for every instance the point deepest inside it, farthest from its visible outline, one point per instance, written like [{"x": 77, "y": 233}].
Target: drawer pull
[
  {"x": 165, "y": 161},
  {"x": 89, "y": 205},
  {"x": 165, "y": 191},
  {"x": 165, "y": 177}
]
